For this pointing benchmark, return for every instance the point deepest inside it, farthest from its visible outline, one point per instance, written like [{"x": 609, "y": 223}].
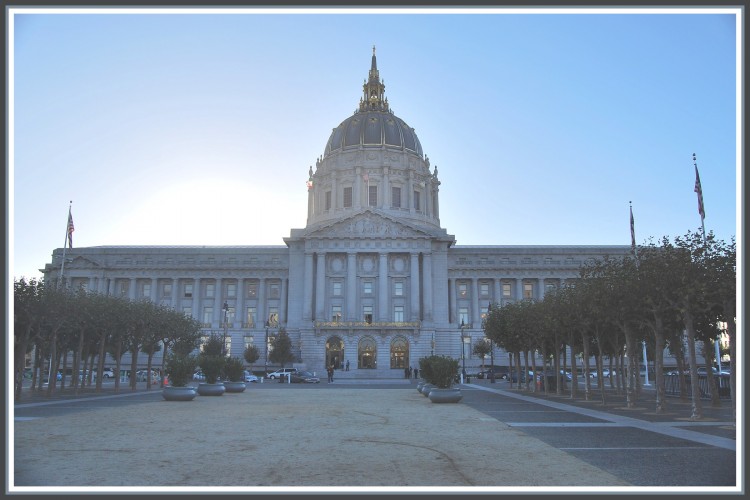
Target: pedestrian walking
[
  {"x": 330, "y": 373},
  {"x": 347, "y": 365},
  {"x": 416, "y": 372}
]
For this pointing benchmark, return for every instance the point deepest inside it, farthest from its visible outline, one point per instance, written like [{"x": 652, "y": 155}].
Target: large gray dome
[{"x": 373, "y": 129}]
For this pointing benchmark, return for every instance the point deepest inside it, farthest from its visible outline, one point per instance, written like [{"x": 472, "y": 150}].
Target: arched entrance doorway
[
  {"x": 367, "y": 353},
  {"x": 335, "y": 352},
  {"x": 399, "y": 352}
]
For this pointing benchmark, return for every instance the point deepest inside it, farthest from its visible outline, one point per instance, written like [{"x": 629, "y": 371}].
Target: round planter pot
[
  {"x": 419, "y": 386},
  {"x": 426, "y": 388},
  {"x": 235, "y": 386},
  {"x": 171, "y": 393},
  {"x": 451, "y": 395},
  {"x": 205, "y": 389}
]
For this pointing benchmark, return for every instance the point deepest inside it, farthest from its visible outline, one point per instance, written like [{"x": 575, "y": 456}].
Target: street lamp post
[
  {"x": 226, "y": 326},
  {"x": 492, "y": 350}
]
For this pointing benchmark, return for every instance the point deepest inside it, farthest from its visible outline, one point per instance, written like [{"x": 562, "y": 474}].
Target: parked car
[
  {"x": 249, "y": 377},
  {"x": 142, "y": 376},
  {"x": 106, "y": 373},
  {"x": 282, "y": 371},
  {"x": 303, "y": 377},
  {"x": 501, "y": 373}
]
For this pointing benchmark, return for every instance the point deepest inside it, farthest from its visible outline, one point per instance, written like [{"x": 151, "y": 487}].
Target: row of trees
[
  {"x": 52, "y": 323},
  {"x": 667, "y": 292}
]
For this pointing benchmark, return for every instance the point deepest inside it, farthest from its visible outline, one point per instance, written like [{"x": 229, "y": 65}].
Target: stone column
[
  {"x": 175, "y": 292},
  {"x": 357, "y": 188},
  {"x": 519, "y": 289},
  {"x": 387, "y": 202},
  {"x": 383, "y": 307},
  {"x": 320, "y": 288},
  {"x": 131, "y": 290},
  {"x": 475, "y": 314},
  {"x": 154, "y": 290},
  {"x": 197, "y": 313},
  {"x": 351, "y": 287},
  {"x": 427, "y": 285},
  {"x": 282, "y": 300},
  {"x": 540, "y": 293},
  {"x": 308, "y": 291},
  {"x": 262, "y": 306},
  {"x": 240, "y": 315},
  {"x": 218, "y": 304},
  {"x": 498, "y": 291},
  {"x": 452, "y": 313},
  {"x": 415, "y": 314}
]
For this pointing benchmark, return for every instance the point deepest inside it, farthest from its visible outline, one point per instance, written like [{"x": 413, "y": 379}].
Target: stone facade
[{"x": 372, "y": 279}]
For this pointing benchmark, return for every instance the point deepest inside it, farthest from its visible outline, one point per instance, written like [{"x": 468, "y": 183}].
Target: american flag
[
  {"x": 699, "y": 190},
  {"x": 309, "y": 185},
  {"x": 71, "y": 228}
]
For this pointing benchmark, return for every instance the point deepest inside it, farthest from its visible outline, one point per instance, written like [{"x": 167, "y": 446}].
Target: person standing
[
  {"x": 330, "y": 374},
  {"x": 416, "y": 372},
  {"x": 347, "y": 365}
]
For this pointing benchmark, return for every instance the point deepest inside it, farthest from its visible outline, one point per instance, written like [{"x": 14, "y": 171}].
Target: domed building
[{"x": 372, "y": 281}]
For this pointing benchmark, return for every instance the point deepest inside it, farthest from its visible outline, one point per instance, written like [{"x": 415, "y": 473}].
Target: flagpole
[
  {"x": 699, "y": 190},
  {"x": 632, "y": 233},
  {"x": 65, "y": 244}
]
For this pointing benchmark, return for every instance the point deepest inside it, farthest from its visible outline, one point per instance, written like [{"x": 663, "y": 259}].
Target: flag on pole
[
  {"x": 632, "y": 229},
  {"x": 71, "y": 228},
  {"x": 309, "y": 184},
  {"x": 699, "y": 191}
]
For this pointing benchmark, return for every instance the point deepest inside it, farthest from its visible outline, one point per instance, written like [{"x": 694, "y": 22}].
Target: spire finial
[{"x": 373, "y": 49}]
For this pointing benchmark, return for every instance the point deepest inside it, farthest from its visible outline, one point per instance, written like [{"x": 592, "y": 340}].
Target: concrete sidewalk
[{"x": 281, "y": 438}]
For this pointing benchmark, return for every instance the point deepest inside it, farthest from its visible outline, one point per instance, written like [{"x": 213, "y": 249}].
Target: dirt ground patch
[{"x": 268, "y": 439}]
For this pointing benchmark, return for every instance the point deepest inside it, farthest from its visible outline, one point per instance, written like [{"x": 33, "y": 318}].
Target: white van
[{"x": 280, "y": 372}]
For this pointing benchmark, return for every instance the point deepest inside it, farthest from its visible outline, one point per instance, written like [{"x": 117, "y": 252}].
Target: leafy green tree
[
  {"x": 282, "y": 349},
  {"x": 251, "y": 355}
]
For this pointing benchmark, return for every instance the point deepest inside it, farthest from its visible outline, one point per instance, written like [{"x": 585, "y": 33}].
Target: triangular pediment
[
  {"x": 368, "y": 224},
  {"x": 80, "y": 262}
]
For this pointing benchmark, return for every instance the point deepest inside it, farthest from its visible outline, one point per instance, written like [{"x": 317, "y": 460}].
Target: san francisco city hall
[{"x": 372, "y": 279}]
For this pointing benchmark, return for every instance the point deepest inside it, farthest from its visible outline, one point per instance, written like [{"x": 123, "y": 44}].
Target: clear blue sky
[{"x": 185, "y": 129}]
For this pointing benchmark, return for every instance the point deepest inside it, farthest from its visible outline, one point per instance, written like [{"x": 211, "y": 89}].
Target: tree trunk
[
  {"x": 659, "y": 342},
  {"x": 694, "y": 387},
  {"x": 713, "y": 387},
  {"x": 632, "y": 369},
  {"x": 586, "y": 367}
]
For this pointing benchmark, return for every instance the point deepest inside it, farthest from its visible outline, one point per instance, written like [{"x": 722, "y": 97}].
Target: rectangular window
[
  {"x": 367, "y": 287},
  {"x": 347, "y": 197},
  {"x": 484, "y": 289},
  {"x": 124, "y": 289},
  {"x": 372, "y": 196},
  {"x": 395, "y": 197},
  {"x": 550, "y": 287},
  {"x": 146, "y": 290},
  {"x": 336, "y": 288},
  {"x": 528, "y": 290},
  {"x": 167, "y": 290},
  {"x": 484, "y": 311},
  {"x": 335, "y": 314},
  {"x": 231, "y": 290},
  {"x": 398, "y": 314},
  {"x": 506, "y": 289},
  {"x": 398, "y": 288},
  {"x": 273, "y": 316},
  {"x": 274, "y": 290},
  {"x": 367, "y": 314},
  {"x": 230, "y": 315},
  {"x": 210, "y": 289},
  {"x": 248, "y": 341},
  {"x": 250, "y": 317},
  {"x": 463, "y": 289},
  {"x": 188, "y": 290},
  {"x": 328, "y": 200},
  {"x": 463, "y": 316},
  {"x": 208, "y": 315},
  {"x": 187, "y": 311},
  {"x": 417, "y": 205},
  {"x": 252, "y": 290}
]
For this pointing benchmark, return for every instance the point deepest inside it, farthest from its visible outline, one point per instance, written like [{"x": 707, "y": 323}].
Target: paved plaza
[{"x": 359, "y": 436}]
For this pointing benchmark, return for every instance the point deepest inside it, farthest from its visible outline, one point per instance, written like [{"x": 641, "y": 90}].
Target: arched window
[
  {"x": 367, "y": 353},
  {"x": 335, "y": 352},
  {"x": 399, "y": 353}
]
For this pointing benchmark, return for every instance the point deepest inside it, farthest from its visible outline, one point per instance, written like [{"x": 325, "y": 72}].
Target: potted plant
[
  {"x": 212, "y": 362},
  {"x": 180, "y": 365},
  {"x": 234, "y": 371},
  {"x": 441, "y": 372}
]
